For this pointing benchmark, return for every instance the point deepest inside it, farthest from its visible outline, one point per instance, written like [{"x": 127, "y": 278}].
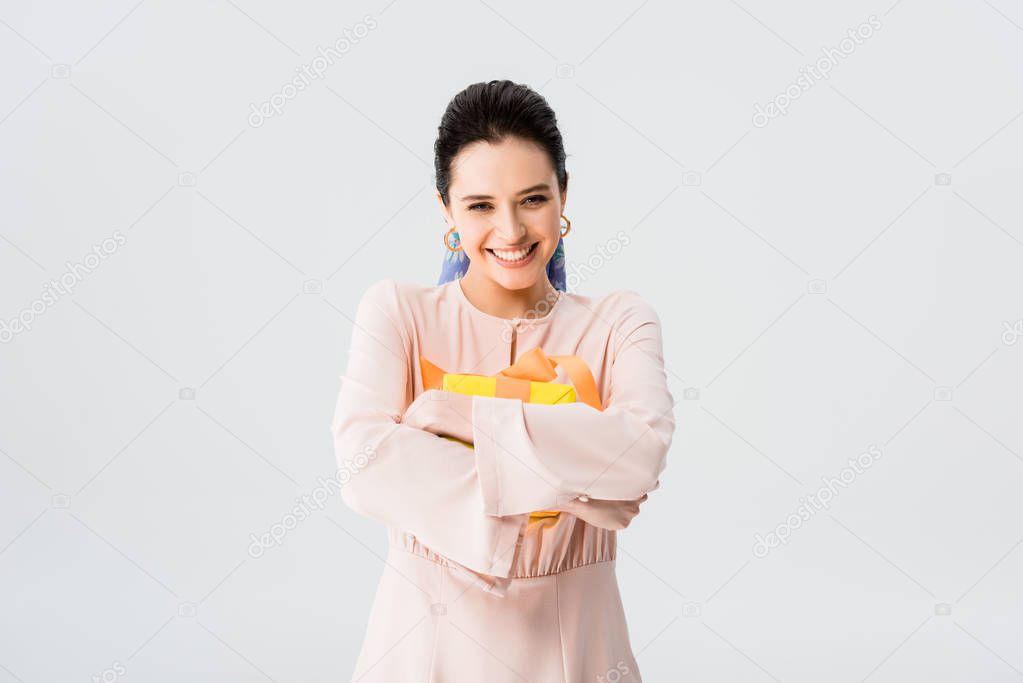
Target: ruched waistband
[{"x": 547, "y": 545}]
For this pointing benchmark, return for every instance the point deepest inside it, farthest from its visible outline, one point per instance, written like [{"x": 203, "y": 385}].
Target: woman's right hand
[{"x": 606, "y": 514}]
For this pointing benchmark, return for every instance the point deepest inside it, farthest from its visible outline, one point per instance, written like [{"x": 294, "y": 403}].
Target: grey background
[{"x": 846, "y": 276}]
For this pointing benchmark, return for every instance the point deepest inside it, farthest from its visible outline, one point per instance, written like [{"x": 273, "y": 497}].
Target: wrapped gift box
[{"x": 527, "y": 379}]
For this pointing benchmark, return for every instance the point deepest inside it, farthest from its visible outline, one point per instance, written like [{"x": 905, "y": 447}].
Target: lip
[{"x": 515, "y": 264}]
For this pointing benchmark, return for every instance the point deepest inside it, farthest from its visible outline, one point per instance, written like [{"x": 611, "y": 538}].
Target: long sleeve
[
  {"x": 534, "y": 456},
  {"x": 410, "y": 479}
]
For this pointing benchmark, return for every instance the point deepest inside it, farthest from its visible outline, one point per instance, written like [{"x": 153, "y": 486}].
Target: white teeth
[{"x": 512, "y": 255}]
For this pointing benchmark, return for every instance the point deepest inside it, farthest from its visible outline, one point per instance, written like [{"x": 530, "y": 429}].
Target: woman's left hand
[{"x": 444, "y": 413}]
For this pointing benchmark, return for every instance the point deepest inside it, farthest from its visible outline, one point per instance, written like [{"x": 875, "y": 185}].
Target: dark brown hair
[{"x": 492, "y": 111}]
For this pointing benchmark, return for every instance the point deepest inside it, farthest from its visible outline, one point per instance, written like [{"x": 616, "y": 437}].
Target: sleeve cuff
[
  {"x": 497, "y": 580},
  {"x": 505, "y": 464},
  {"x": 484, "y": 438},
  {"x": 512, "y": 479},
  {"x": 506, "y": 549}
]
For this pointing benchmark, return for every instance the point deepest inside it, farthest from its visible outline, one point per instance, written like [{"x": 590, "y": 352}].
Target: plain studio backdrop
[{"x": 821, "y": 200}]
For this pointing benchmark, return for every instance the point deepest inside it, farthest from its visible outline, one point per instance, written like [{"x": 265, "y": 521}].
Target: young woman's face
[{"x": 504, "y": 200}]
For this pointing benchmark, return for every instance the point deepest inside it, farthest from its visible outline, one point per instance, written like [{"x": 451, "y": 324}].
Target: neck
[{"x": 535, "y": 301}]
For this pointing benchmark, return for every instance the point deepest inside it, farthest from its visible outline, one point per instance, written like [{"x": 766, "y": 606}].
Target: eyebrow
[{"x": 534, "y": 188}]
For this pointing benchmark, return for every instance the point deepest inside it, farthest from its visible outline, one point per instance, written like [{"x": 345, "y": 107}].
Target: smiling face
[{"x": 506, "y": 207}]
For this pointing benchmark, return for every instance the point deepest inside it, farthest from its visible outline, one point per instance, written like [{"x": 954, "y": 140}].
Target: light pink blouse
[{"x": 468, "y": 509}]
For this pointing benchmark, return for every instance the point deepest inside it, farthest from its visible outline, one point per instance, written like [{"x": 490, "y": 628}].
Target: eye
[
  {"x": 540, "y": 199},
  {"x": 472, "y": 207}
]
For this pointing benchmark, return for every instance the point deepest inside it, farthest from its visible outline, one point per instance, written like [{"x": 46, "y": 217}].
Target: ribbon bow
[{"x": 532, "y": 366}]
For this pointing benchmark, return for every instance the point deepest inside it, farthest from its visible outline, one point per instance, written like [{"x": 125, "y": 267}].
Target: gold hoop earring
[
  {"x": 567, "y": 226},
  {"x": 447, "y": 240}
]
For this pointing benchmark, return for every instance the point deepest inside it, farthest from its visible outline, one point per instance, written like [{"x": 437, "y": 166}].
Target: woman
[{"x": 476, "y": 588}]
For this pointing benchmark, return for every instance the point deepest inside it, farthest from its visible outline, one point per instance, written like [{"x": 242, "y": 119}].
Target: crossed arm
[{"x": 470, "y": 504}]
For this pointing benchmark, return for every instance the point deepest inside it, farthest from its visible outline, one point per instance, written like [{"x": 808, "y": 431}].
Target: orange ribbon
[{"x": 532, "y": 366}]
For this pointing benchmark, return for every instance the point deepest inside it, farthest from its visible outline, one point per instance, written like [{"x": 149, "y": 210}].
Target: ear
[
  {"x": 564, "y": 195},
  {"x": 444, "y": 210}
]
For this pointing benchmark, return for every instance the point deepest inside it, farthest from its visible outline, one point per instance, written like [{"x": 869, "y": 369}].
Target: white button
[{"x": 584, "y": 499}]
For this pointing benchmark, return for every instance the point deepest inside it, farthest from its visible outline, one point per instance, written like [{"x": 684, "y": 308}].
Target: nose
[{"x": 509, "y": 227}]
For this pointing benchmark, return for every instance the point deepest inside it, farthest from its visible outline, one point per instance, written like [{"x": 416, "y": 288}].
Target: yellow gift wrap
[
  {"x": 549, "y": 393},
  {"x": 527, "y": 379}
]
